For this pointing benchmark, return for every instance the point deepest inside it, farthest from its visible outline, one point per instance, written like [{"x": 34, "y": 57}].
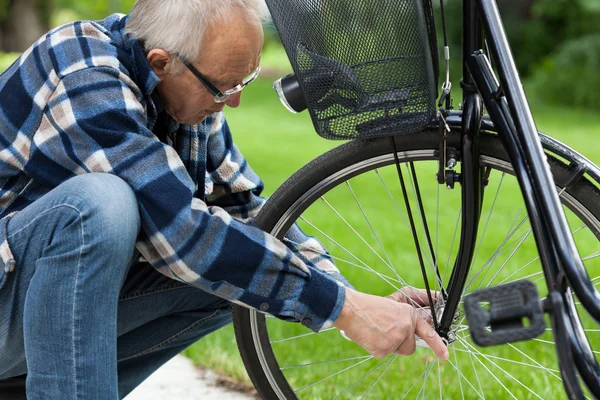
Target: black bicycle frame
[{"x": 511, "y": 115}]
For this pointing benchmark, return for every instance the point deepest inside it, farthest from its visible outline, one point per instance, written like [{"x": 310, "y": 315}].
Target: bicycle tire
[{"x": 299, "y": 192}]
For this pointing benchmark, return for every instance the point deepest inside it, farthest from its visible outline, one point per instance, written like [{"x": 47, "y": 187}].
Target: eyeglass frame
[{"x": 222, "y": 97}]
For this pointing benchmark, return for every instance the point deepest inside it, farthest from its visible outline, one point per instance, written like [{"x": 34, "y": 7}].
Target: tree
[{"x": 22, "y": 22}]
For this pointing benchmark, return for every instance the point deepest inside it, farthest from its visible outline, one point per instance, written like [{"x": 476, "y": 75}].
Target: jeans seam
[
  {"x": 174, "y": 337},
  {"x": 75, "y": 295},
  {"x": 75, "y": 339},
  {"x": 148, "y": 292},
  {"x": 41, "y": 215}
]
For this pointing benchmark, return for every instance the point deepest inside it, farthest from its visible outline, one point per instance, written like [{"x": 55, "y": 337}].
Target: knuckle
[{"x": 379, "y": 354}]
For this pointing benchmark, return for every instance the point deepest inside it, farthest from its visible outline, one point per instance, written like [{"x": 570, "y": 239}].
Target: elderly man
[{"x": 124, "y": 205}]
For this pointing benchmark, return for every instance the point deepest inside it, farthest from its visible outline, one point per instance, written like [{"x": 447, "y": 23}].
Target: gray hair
[{"x": 178, "y": 26}]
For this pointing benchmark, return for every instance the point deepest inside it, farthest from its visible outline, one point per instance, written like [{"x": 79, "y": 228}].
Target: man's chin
[{"x": 191, "y": 121}]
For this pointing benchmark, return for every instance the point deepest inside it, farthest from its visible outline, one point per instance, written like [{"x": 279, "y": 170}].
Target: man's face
[{"x": 230, "y": 52}]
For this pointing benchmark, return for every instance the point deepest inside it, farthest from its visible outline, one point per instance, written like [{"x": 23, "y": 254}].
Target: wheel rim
[{"x": 378, "y": 369}]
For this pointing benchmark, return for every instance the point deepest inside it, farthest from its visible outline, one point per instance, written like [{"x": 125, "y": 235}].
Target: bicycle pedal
[{"x": 506, "y": 313}]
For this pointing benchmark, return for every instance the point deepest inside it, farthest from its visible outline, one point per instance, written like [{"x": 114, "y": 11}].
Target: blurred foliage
[
  {"x": 45, "y": 9},
  {"x": 539, "y": 31},
  {"x": 97, "y": 9},
  {"x": 570, "y": 76},
  {"x": 548, "y": 37},
  {"x": 4, "y": 9},
  {"x": 6, "y": 59}
]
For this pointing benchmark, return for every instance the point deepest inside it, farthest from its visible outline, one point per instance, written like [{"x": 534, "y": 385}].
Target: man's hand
[{"x": 388, "y": 325}]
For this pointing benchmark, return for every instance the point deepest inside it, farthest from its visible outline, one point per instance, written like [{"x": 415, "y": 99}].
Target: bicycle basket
[{"x": 368, "y": 68}]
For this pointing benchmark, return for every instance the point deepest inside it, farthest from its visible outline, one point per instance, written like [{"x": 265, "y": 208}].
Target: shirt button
[
  {"x": 306, "y": 322},
  {"x": 264, "y": 307}
]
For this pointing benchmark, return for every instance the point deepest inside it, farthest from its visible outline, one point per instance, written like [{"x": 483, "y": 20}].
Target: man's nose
[{"x": 235, "y": 100}]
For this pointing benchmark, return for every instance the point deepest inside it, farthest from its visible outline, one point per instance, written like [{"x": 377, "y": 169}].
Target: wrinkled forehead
[{"x": 232, "y": 51}]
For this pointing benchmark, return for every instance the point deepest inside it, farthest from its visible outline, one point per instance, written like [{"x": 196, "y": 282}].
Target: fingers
[
  {"x": 410, "y": 295},
  {"x": 408, "y": 347},
  {"x": 430, "y": 336}
]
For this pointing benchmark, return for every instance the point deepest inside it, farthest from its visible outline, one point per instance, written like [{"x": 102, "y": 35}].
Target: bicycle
[{"x": 383, "y": 95}]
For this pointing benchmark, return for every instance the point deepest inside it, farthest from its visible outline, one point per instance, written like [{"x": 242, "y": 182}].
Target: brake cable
[{"x": 447, "y": 86}]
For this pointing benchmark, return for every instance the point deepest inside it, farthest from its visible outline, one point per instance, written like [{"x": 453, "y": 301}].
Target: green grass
[
  {"x": 277, "y": 143},
  {"x": 6, "y": 59}
]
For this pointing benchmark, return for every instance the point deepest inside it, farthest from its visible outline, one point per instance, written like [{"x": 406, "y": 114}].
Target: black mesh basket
[{"x": 368, "y": 68}]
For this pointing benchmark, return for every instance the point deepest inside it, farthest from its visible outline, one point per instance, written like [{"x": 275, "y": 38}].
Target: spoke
[
  {"x": 431, "y": 364},
  {"x": 387, "y": 277},
  {"x": 507, "y": 260},
  {"x": 439, "y": 379},
  {"x": 301, "y": 336},
  {"x": 414, "y": 233},
  {"x": 543, "y": 341},
  {"x": 379, "y": 377},
  {"x": 452, "y": 244},
  {"x": 391, "y": 264},
  {"x": 351, "y": 254},
  {"x": 550, "y": 371},
  {"x": 364, "y": 376},
  {"x": 490, "y": 372},
  {"x": 371, "y": 226},
  {"x": 406, "y": 222},
  {"x": 488, "y": 218},
  {"x": 461, "y": 375},
  {"x": 528, "y": 276},
  {"x": 462, "y": 393},
  {"x": 437, "y": 229},
  {"x": 360, "y": 236},
  {"x": 324, "y": 362},
  {"x": 417, "y": 195},
  {"x": 393, "y": 200},
  {"x": 476, "y": 374},
  {"x": 332, "y": 375},
  {"x": 592, "y": 256},
  {"x": 497, "y": 253},
  {"x": 503, "y": 370},
  {"x": 537, "y": 258},
  {"x": 517, "y": 271},
  {"x": 427, "y": 366},
  {"x": 510, "y": 361}
]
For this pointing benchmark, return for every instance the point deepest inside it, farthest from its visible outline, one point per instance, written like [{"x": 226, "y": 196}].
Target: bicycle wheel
[{"x": 350, "y": 200}]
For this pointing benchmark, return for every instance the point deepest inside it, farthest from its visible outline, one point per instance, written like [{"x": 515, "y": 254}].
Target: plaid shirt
[{"x": 80, "y": 101}]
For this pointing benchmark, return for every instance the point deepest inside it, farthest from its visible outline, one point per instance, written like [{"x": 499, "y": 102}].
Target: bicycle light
[{"x": 290, "y": 93}]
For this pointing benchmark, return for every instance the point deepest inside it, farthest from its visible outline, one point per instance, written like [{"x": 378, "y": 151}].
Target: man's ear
[{"x": 160, "y": 61}]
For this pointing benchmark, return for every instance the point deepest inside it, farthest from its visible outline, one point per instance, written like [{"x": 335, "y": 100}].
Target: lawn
[{"x": 277, "y": 143}]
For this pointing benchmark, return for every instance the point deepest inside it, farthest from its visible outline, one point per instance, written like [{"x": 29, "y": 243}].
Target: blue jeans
[{"x": 79, "y": 314}]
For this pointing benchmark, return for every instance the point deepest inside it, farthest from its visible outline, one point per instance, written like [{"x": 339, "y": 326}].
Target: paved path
[{"x": 179, "y": 379}]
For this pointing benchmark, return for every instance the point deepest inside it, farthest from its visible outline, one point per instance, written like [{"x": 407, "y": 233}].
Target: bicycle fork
[{"x": 560, "y": 260}]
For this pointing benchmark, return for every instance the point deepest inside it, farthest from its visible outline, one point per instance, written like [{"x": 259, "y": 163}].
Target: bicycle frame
[{"x": 511, "y": 115}]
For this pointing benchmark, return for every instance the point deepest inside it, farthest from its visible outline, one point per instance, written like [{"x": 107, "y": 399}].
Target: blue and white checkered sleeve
[
  {"x": 237, "y": 189},
  {"x": 95, "y": 122}
]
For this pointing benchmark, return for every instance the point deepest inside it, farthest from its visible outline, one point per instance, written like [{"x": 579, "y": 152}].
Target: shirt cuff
[{"x": 324, "y": 299}]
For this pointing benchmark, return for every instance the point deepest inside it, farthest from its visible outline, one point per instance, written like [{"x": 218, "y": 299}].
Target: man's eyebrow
[{"x": 221, "y": 82}]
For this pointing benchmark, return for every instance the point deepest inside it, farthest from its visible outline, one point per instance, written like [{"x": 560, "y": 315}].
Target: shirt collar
[
  {"x": 144, "y": 77},
  {"x": 158, "y": 102}
]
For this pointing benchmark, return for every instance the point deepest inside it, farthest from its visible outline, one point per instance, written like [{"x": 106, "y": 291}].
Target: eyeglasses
[{"x": 222, "y": 97}]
